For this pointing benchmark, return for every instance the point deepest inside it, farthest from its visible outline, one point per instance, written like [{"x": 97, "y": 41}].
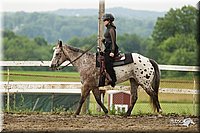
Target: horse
[{"x": 142, "y": 72}]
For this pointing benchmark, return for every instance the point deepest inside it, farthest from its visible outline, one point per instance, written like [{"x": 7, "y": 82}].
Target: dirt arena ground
[{"x": 91, "y": 123}]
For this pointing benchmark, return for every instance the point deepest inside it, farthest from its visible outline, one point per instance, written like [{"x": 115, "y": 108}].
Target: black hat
[{"x": 108, "y": 16}]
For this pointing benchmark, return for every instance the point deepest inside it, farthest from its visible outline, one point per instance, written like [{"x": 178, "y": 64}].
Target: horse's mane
[{"x": 76, "y": 49}]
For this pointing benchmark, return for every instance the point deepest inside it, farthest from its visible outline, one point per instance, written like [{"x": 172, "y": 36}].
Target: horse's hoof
[
  {"x": 126, "y": 115},
  {"x": 107, "y": 116},
  {"x": 160, "y": 111},
  {"x": 73, "y": 116},
  {"x": 105, "y": 111},
  {"x": 160, "y": 116}
]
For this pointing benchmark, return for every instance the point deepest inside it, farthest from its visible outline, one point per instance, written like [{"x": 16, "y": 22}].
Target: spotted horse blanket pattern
[
  {"x": 144, "y": 69},
  {"x": 141, "y": 68}
]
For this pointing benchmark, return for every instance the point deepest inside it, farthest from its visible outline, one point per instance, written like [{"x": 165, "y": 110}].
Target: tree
[
  {"x": 129, "y": 43},
  {"x": 22, "y": 48},
  {"x": 40, "y": 41},
  {"x": 179, "y": 50},
  {"x": 8, "y": 34},
  {"x": 179, "y": 21},
  {"x": 84, "y": 42},
  {"x": 175, "y": 37}
]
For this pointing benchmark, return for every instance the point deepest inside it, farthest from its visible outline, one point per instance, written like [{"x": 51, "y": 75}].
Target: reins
[{"x": 88, "y": 49}]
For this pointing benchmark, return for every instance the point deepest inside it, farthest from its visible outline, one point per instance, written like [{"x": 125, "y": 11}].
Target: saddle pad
[{"x": 128, "y": 59}]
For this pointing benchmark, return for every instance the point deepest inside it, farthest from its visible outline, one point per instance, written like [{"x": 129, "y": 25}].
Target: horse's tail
[
  {"x": 156, "y": 82},
  {"x": 156, "y": 78}
]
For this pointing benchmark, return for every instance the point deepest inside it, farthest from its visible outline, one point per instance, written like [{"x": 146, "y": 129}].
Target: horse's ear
[{"x": 60, "y": 43}]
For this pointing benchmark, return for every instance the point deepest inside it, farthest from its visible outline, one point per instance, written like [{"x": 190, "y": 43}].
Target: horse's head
[{"x": 59, "y": 56}]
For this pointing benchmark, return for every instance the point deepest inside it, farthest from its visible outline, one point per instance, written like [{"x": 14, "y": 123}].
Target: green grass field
[
  {"x": 170, "y": 103},
  {"x": 168, "y": 108},
  {"x": 45, "y": 76}
]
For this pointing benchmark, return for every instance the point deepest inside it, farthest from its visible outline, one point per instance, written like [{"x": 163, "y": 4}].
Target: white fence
[{"x": 49, "y": 87}]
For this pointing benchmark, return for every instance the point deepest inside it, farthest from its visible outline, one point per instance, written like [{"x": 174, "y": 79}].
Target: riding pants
[{"x": 109, "y": 66}]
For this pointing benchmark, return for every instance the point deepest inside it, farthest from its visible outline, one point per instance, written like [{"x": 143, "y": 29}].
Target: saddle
[{"x": 119, "y": 60}]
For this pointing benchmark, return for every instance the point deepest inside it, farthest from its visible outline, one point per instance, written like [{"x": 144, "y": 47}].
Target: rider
[{"x": 111, "y": 48}]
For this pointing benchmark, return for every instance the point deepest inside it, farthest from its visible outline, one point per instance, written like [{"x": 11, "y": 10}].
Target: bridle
[{"x": 88, "y": 49}]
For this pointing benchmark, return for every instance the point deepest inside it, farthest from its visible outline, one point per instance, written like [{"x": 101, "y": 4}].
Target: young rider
[{"x": 111, "y": 48}]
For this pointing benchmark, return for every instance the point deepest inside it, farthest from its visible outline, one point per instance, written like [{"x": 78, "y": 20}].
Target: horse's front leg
[
  {"x": 97, "y": 96},
  {"x": 134, "y": 97},
  {"x": 84, "y": 93}
]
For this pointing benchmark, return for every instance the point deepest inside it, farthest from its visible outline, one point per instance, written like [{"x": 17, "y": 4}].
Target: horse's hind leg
[
  {"x": 85, "y": 92},
  {"x": 134, "y": 97},
  {"x": 97, "y": 96}
]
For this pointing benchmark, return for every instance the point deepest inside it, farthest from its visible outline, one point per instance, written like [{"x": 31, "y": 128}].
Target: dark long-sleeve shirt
[{"x": 110, "y": 39}]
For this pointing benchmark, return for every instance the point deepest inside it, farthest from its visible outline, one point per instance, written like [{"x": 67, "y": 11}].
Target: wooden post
[
  {"x": 8, "y": 87},
  {"x": 100, "y": 32},
  {"x": 100, "y": 23},
  {"x": 193, "y": 96}
]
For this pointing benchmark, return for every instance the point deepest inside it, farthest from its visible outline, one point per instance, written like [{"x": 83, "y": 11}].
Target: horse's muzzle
[{"x": 53, "y": 66}]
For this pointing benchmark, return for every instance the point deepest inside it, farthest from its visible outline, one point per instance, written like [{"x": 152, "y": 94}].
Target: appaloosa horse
[{"x": 142, "y": 71}]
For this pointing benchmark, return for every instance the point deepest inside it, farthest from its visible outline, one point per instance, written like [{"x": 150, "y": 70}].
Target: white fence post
[
  {"x": 8, "y": 88},
  {"x": 193, "y": 96}
]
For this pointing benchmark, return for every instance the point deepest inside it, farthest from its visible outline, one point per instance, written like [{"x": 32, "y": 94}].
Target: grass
[
  {"x": 44, "y": 76},
  {"x": 168, "y": 108}
]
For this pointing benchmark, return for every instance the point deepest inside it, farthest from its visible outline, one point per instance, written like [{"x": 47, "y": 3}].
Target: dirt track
[{"x": 87, "y": 123}]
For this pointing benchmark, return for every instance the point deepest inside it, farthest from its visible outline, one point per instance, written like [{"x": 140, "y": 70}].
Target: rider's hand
[
  {"x": 103, "y": 40},
  {"x": 112, "y": 54}
]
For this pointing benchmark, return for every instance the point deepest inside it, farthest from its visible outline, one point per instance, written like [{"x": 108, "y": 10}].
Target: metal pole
[
  {"x": 100, "y": 23},
  {"x": 35, "y": 104},
  {"x": 52, "y": 102}
]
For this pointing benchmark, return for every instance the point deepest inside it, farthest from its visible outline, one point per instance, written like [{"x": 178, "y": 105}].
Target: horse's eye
[{"x": 57, "y": 54}]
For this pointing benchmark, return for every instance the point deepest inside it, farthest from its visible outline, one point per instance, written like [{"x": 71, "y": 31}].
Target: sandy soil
[{"x": 91, "y": 123}]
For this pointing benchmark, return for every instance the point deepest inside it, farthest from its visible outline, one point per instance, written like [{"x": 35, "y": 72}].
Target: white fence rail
[
  {"x": 70, "y": 87},
  {"x": 40, "y": 87},
  {"x": 28, "y": 63},
  {"x": 47, "y": 63}
]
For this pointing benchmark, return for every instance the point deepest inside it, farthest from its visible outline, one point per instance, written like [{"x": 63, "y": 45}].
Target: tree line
[{"x": 52, "y": 26}]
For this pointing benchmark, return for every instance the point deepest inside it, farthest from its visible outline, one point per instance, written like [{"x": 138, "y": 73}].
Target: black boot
[
  {"x": 112, "y": 84},
  {"x": 102, "y": 80},
  {"x": 114, "y": 78}
]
